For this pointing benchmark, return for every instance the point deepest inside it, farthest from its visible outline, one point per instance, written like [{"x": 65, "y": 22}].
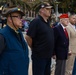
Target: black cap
[
  {"x": 45, "y": 5},
  {"x": 7, "y": 11}
]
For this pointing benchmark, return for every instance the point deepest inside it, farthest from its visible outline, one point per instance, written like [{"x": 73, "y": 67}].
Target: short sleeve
[{"x": 32, "y": 28}]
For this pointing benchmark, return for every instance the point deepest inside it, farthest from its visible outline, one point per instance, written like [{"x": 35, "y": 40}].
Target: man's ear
[{"x": 9, "y": 18}]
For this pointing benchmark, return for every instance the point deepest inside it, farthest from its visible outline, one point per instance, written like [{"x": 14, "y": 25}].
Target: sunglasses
[{"x": 19, "y": 16}]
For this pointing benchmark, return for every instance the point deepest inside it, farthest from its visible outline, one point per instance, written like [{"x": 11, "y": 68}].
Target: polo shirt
[{"x": 42, "y": 38}]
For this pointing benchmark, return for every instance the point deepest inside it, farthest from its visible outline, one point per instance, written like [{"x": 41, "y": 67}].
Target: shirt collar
[
  {"x": 72, "y": 25},
  {"x": 43, "y": 19},
  {"x": 16, "y": 30},
  {"x": 62, "y": 26}
]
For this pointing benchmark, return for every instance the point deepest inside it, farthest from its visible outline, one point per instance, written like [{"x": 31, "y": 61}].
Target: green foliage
[
  {"x": 64, "y": 5},
  {"x": 20, "y": 3},
  {"x": 35, "y": 6}
]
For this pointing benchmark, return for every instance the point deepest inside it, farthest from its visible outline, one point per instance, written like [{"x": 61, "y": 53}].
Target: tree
[
  {"x": 23, "y": 4},
  {"x": 68, "y": 6}
]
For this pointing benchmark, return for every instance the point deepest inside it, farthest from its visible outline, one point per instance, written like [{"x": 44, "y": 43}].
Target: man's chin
[{"x": 20, "y": 26}]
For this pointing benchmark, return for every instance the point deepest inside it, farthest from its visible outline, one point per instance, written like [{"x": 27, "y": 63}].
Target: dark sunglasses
[{"x": 19, "y": 16}]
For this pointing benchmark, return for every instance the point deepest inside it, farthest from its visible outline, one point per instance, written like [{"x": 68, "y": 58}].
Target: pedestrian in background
[
  {"x": 40, "y": 38},
  {"x": 74, "y": 66},
  {"x": 61, "y": 45},
  {"x": 72, "y": 44},
  {"x": 13, "y": 48}
]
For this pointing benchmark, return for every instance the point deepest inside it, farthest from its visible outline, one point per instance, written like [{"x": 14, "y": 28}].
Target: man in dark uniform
[
  {"x": 13, "y": 48},
  {"x": 40, "y": 38},
  {"x": 61, "y": 44}
]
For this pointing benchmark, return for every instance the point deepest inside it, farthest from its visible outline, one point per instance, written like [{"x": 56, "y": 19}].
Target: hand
[
  {"x": 54, "y": 57},
  {"x": 69, "y": 53}
]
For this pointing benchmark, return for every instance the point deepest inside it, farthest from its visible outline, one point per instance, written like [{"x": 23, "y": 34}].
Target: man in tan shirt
[{"x": 72, "y": 44}]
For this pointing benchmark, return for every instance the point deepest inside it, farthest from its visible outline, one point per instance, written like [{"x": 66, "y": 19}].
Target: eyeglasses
[{"x": 19, "y": 16}]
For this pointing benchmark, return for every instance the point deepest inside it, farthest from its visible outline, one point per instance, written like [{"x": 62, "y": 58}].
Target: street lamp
[{"x": 56, "y": 9}]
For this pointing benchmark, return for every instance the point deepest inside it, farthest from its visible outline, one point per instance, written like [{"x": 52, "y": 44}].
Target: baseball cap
[
  {"x": 44, "y": 5},
  {"x": 64, "y": 16},
  {"x": 9, "y": 10}
]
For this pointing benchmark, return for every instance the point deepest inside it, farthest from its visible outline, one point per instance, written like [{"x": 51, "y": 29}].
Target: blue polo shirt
[{"x": 42, "y": 38}]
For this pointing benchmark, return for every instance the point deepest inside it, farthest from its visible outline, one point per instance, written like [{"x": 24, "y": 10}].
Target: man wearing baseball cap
[
  {"x": 13, "y": 48},
  {"x": 41, "y": 40}
]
